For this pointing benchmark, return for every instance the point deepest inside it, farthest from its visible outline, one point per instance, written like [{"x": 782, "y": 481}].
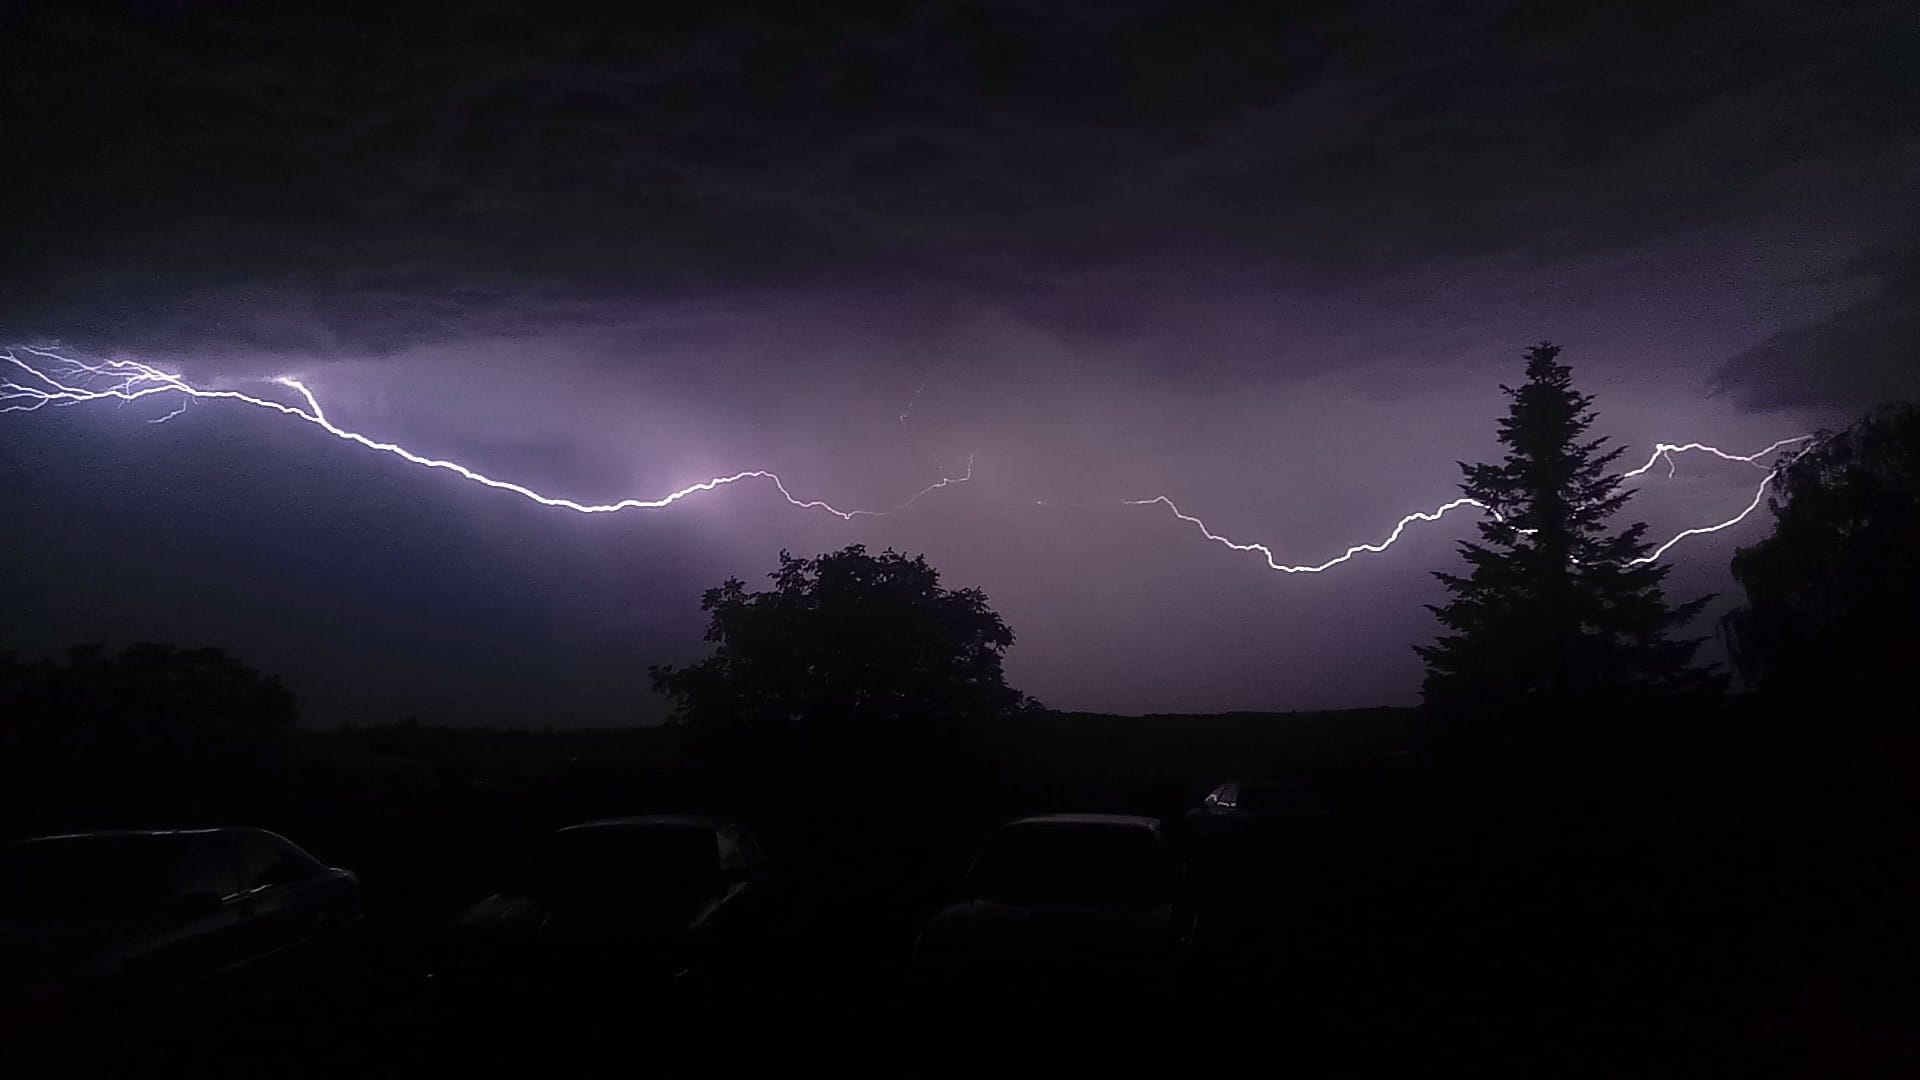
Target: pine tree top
[{"x": 1555, "y": 601}]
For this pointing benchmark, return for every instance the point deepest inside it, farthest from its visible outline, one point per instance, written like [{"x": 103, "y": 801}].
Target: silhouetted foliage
[
  {"x": 846, "y": 642},
  {"x": 1833, "y": 596},
  {"x": 149, "y": 691},
  {"x": 1555, "y": 609},
  {"x": 149, "y": 729},
  {"x": 853, "y": 704}
]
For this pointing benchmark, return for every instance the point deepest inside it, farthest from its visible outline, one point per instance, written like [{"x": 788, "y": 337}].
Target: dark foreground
[{"x": 1679, "y": 904}]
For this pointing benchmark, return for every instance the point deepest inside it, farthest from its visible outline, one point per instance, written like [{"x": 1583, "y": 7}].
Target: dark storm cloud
[
  {"x": 1867, "y": 351},
  {"x": 418, "y": 177}
]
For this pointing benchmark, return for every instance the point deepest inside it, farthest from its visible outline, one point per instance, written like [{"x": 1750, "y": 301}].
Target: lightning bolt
[
  {"x": 1661, "y": 452},
  {"x": 1665, "y": 450},
  {"x": 925, "y": 378},
  {"x": 60, "y": 380},
  {"x": 1399, "y": 527}
]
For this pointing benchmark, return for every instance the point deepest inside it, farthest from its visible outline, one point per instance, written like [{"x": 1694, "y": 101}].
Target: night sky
[{"x": 1271, "y": 261}]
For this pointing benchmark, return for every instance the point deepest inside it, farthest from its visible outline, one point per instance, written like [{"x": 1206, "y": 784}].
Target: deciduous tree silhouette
[
  {"x": 1833, "y": 596},
  {"x": 149, "y": 692},
  {"x": 1554, "y": 609},
  {"x": 850, "y": 703},
  {"x": 151, "y": 730},
  {"x": 846, "y": 642}
]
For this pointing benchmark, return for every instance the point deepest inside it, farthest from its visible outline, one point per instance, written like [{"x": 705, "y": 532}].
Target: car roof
[
  {"x": 90, "y": 834},
  {"x": 1116, "y": 821},
  {"x": 679, "y": 821}
]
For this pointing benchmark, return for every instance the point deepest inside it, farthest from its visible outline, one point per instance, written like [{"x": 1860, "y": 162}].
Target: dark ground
[{"x": 1714, "y": 894}]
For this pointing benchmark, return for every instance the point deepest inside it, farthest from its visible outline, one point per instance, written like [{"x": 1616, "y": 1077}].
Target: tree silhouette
[
  {"x": 846, "y": 643},
  {"x": 149, "y": 730},
  {"x": 149, "y": 692},
  {"x": 1833, "y": 596},
  {"x": 1555, "y": 609}
]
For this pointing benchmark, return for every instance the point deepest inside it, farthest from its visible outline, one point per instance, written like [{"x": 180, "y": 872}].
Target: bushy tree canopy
[
  {"x": 1833, "y": 595},
  {"x": 846, "y": 642},
  {"x": 148, "y": 692},
  {"x": 148, "y": 729}
]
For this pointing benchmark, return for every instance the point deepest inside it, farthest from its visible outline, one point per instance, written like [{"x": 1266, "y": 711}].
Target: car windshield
[
  {"x": 1061, "y": 862},
  {"x": 87, "y": 877},
  {"x": 627, "y": 860}
]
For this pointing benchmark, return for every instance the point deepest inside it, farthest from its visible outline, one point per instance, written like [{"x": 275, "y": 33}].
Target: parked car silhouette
[
  {"x": 1095, "y": 901},
  {"x": 101, "y": 928},
  {"x": 630, "y": 903}
]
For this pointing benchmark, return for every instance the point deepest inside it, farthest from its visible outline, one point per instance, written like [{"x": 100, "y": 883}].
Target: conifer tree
[{"x": 1555, "y": 608}]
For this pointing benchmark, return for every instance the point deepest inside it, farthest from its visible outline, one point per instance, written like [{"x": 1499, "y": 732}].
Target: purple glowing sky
[{"x": 1272, "y": 271}]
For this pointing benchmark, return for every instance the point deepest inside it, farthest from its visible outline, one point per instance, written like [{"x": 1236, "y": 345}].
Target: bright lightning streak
[
  {"x": 917, "y": 391},
  {"x": 67, "y": 381},
  {"x": 1664, "y": 452},
  {"x": 1432, "y": 515},
  {"x": 1661, "y": 452},
  {"x": 1759, "y": 494},
  {"x": 64, "y": 381}
]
